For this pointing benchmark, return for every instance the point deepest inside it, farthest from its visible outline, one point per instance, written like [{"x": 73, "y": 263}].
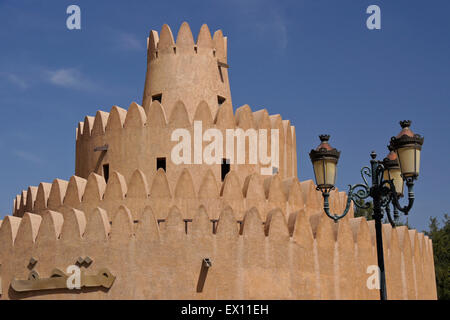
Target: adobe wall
[
  {"x": 311, "y": 258},
  {"x": 271, "y": 240},
  {"x": 138, "y": 137}
]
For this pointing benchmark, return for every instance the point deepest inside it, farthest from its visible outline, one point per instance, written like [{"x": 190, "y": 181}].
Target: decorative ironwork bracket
[{"x": 382, "y": 189}]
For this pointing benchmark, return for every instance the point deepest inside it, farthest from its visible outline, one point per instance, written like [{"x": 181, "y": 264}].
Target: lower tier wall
[{"x": 312, "y": 258}]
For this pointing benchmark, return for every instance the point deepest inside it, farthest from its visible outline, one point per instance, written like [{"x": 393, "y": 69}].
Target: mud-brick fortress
[{"x": 194, "y": 231}]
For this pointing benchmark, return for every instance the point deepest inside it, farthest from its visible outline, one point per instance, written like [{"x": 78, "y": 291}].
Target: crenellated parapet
[
  {"x": 137, "y": 137},
  {"x": 309, "y": 258},
  {"x": 139, "y": 191},
  {"x": 162, "y": 44}
]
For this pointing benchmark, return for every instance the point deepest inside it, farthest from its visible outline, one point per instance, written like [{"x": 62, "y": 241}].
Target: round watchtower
[
  {"x": 186, "y": 88},
  {"x": 185, "y": 70}
]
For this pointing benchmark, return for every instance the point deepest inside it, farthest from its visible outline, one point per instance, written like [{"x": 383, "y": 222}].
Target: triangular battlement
[{"x": 164, "y": 43}]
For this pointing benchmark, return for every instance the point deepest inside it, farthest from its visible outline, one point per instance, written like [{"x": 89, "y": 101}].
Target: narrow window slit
[
  {"x": 225, "y": 168},
  {"x": 106, "y": 172},
  {"x": 161, "y": 163}
]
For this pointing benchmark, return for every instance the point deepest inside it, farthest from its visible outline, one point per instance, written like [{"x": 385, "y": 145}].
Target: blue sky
[{"x": 312, "y": 61}]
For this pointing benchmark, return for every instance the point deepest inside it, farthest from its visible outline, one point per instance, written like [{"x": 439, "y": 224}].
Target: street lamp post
[{"x": 387, "y": 180}]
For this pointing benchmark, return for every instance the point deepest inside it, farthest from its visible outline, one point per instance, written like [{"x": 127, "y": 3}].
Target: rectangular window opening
[
  {"x": 220, "y": 100},
  {"x": 106, "y": 172},
  {"x": 225, "y": 168},
  {"x": 157, "y": 97},
  {"x": 161, "y": 163}
]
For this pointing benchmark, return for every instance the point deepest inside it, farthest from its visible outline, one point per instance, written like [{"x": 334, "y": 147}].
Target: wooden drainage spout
[{"x": 206, "y": 264}]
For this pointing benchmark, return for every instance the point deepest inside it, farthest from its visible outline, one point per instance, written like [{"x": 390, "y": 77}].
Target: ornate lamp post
[{"x": 388, "y": 177}]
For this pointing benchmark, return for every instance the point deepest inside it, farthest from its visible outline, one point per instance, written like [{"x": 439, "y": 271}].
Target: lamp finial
[
  {"x": 405, "y": 124},
  {"x": 324, "y": 137}
]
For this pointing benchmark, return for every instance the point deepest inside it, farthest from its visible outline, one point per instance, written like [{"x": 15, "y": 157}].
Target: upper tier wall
[
  {"x": 188, "y": 71},
  {"x": 138, "y": 137}
]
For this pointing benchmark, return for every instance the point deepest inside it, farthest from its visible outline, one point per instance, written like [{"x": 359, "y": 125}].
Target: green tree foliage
[
  {"x": 366, "y": 213},
  {"x": 400, "y": 220},
  {"x": 441, "y": 252}
]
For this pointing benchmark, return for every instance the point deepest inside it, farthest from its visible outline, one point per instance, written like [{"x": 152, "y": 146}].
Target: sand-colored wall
[
  {"x": 137, "y": 137},
  {"x": 311, "y": 258},
  {"x": 271, "y": 240}
]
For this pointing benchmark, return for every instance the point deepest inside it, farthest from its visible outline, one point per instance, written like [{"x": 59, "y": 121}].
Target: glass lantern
[
  {"x": 324, "y": 159},
  {"x": 407, "y": 145},
  {"x": 392, "y": 172}
]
